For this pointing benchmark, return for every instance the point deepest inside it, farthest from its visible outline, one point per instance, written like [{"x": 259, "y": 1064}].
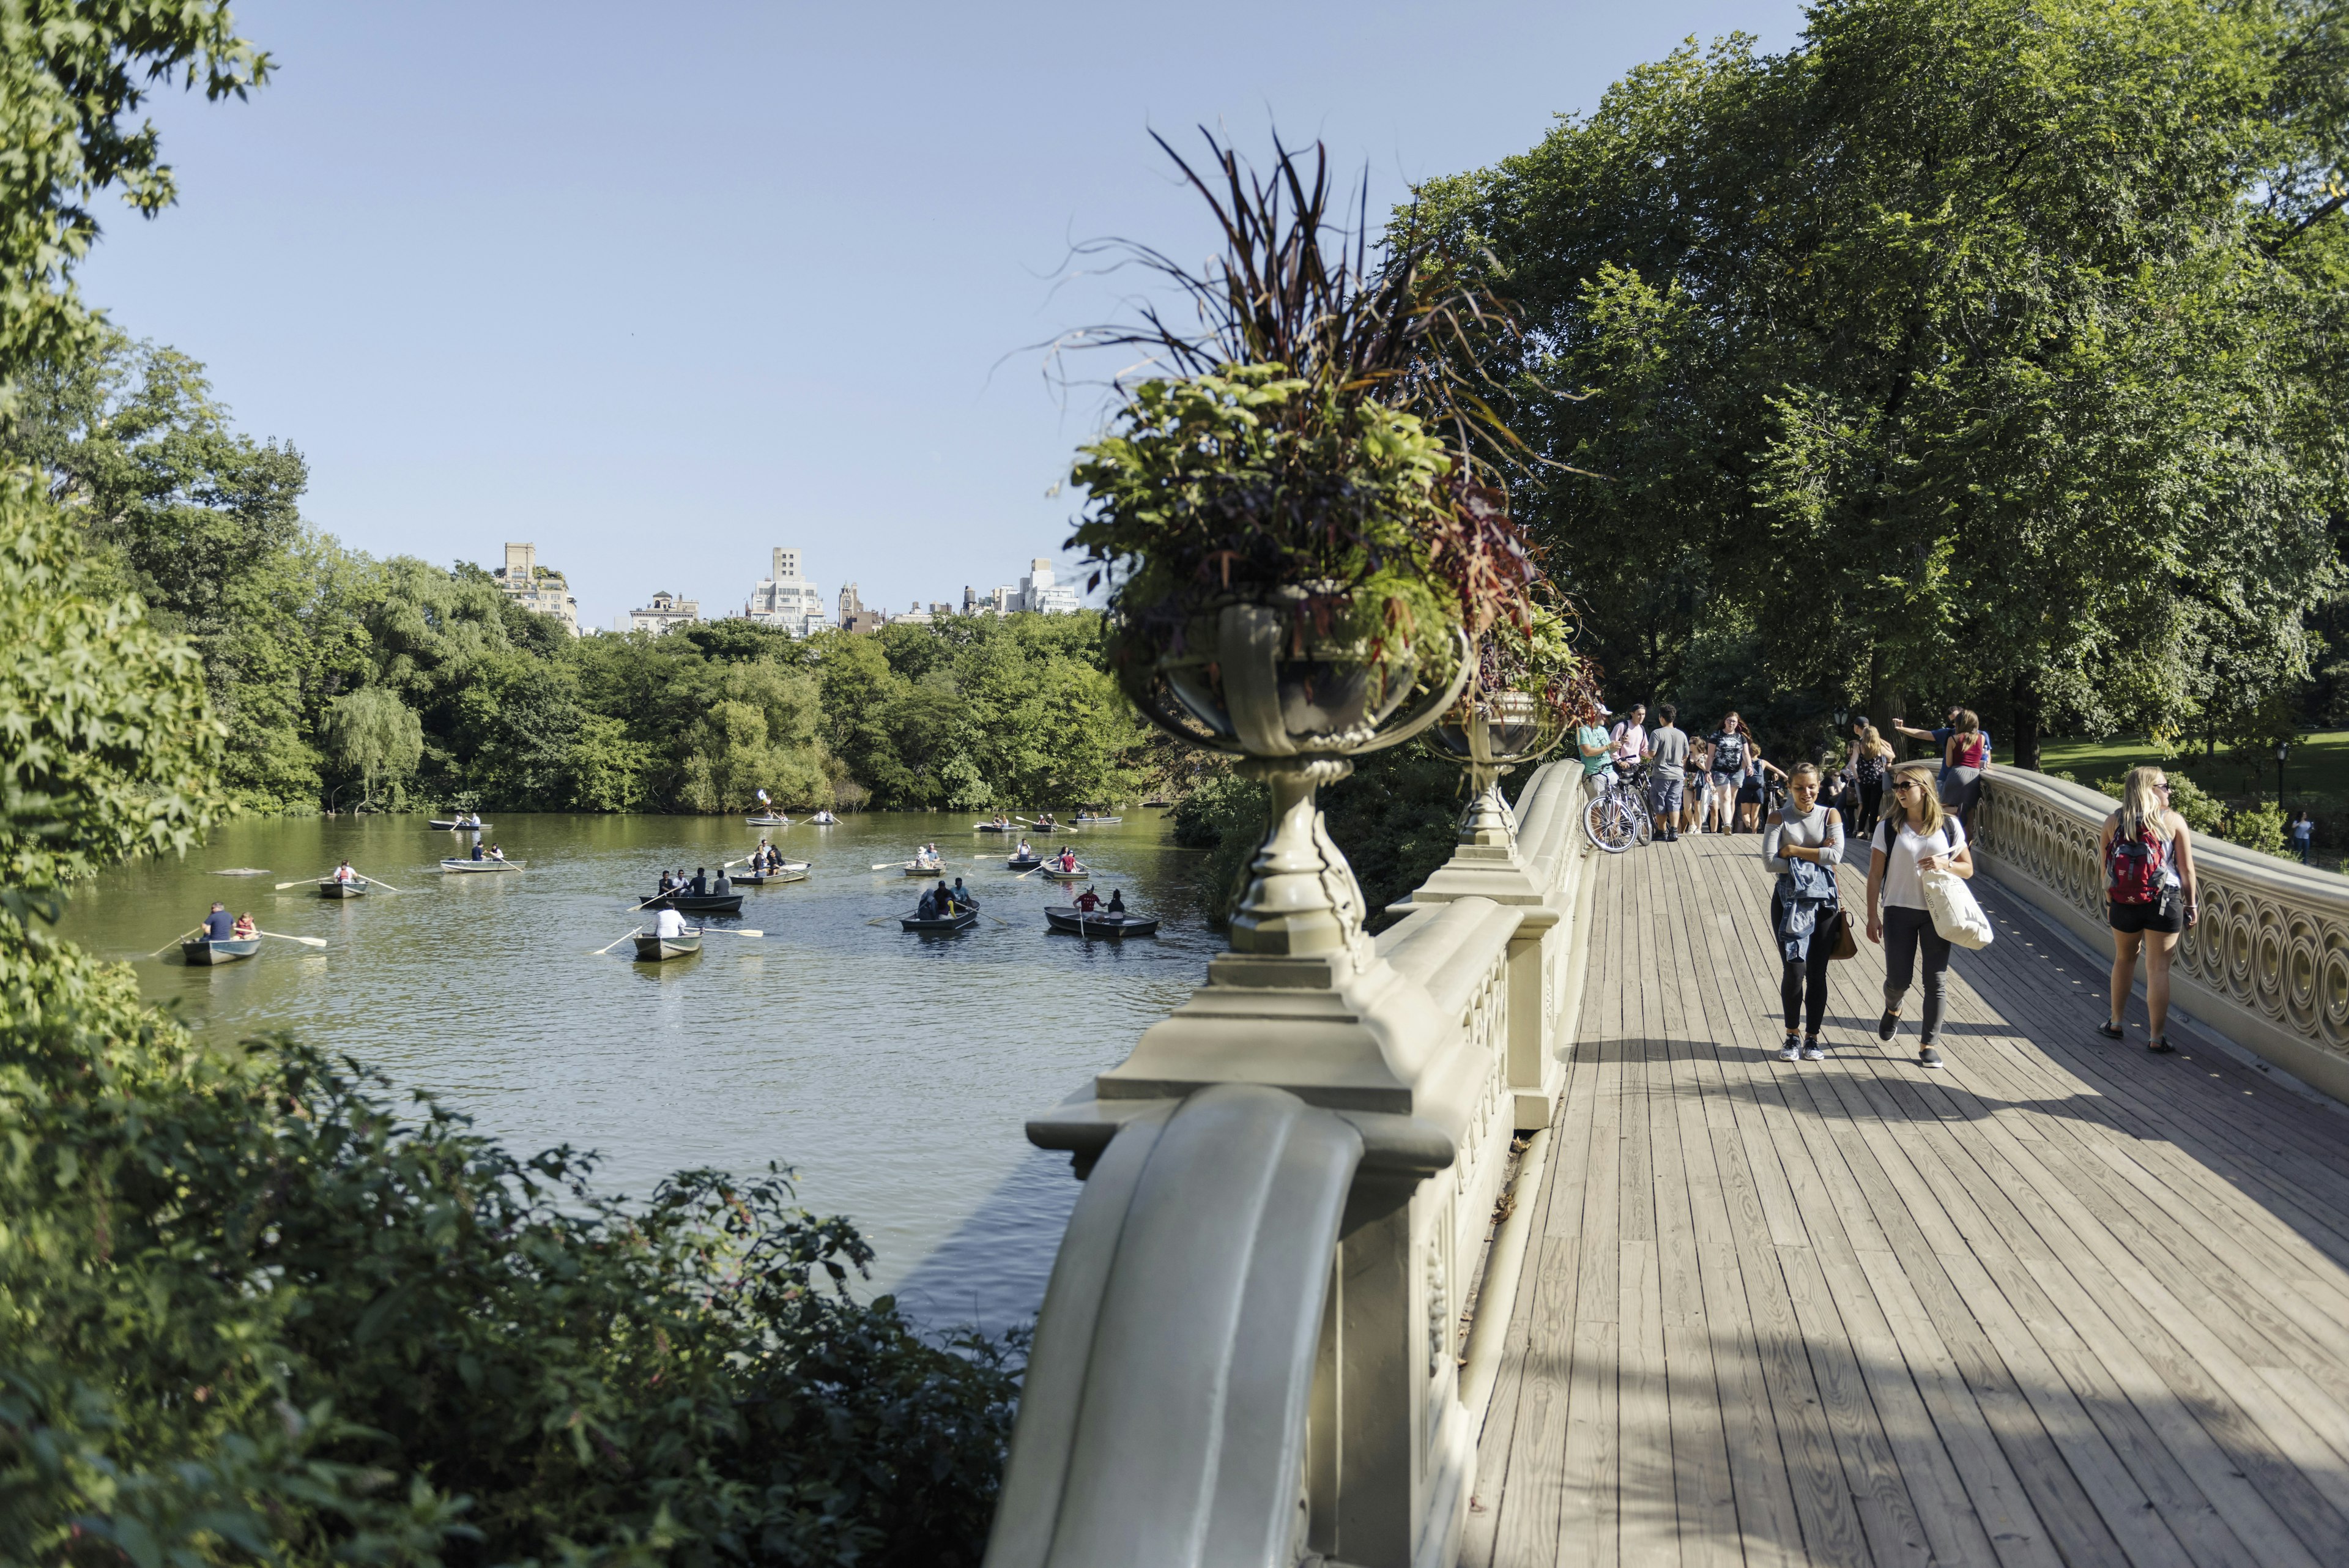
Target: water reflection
[{"x": 893, "y": 1070}]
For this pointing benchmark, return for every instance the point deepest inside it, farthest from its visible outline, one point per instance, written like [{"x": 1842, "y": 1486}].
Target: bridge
[{"x": 1504, "y": 1238}]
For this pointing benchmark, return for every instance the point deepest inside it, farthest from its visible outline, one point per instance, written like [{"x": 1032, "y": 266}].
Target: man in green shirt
[{"x": 1590, "y": 743}]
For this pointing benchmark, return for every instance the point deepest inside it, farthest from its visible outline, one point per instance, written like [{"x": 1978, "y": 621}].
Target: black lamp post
[{"x": 2283, "y": 750}]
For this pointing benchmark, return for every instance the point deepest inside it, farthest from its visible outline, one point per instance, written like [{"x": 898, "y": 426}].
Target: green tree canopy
[{"x": 375, "y": 735}]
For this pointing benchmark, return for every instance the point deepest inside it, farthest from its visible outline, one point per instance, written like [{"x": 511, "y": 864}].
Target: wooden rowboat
[
  {"x": 792, "y": 872},
  {"x": 926, "y": 867},
  {"x": 204, "y": 951},
  {"x": 471, "y": 865},
  {"x": 825, "y": 819},
  {"x": 1053, "y": 873},
  {"x": 959, "y": 922},
  {"x": 698, "y": 903},
  {"x": 1024, "y": 863},
  {"x": 998, "y": 827},
  {"x": 459, "y": 826},
  {"x": 768, "y": 821},
  {"x": 1076, "y": 923},
  {"x": 1084, "y": 821},
  {"x": 329, "y": 888},
  {"x": 658, "y": 949}
]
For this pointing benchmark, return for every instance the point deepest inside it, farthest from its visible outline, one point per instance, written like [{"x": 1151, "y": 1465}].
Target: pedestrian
[
  {"x": 1698, "y": 790},
  {"x": 1870, "y": 765},
  {"x": 1917, "y": 836},
  {"x": 1965, "y": 756},
  {"x": 1803, "y": 844},
  {"x": 2301, "y": 831},
  {"x": 1727, "y": 747},
  {"x": 1752, "y": 790},
  {"x": 1590, "y": 744},
  {"x": 1629, "y": 738},
  {"x": 1667, "y": 751},
  {"x": 2149, "y": 898},
  {"x": 1940, "y": 739}
]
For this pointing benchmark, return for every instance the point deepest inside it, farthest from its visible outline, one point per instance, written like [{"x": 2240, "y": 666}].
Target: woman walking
[
  {"x": 1727, "y": 747},
  {"x": 1963, "y": 757},
  {"x": 1803, "y": 844},
  {"x": 2149, "y": 897},
  {"x": 1700, "y": 788},
  {"x": 1915, "y": 837},
  {"x": 1870, "y": 764}
]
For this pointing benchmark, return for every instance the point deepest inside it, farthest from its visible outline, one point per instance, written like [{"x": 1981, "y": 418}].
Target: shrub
[{"x": 2260, "y": 828}]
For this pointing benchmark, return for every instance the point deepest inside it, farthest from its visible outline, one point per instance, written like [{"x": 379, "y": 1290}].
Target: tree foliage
[
  {"x": 375, "y": 735},
  {"x": 1981, "y": 349}
]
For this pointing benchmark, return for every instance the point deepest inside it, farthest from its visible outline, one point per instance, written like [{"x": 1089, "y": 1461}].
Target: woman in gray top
[{"x": 1804, "y": 844}]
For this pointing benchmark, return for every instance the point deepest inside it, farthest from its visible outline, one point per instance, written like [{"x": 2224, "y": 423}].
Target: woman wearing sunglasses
[
  {"x": 1915, "y": 837},
  {"x": 2149, "y": 897}
]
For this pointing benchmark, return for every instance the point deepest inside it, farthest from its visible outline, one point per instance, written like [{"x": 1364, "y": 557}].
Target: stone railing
[
  {"x": 1255, "y": 1347},
  {"x": 2267, "y": 964}
]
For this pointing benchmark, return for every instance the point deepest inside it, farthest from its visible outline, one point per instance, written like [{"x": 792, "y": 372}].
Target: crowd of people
[{"x": 1917, "y": 819}]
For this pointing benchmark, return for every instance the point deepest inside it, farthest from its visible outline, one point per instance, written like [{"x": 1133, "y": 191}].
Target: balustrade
[
  {"x": 2267, "y": 963},
  {"x": 1252, "y": 1348}
]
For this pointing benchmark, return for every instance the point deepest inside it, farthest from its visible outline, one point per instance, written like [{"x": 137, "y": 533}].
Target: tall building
[
  {"x": 537, "y": 587},
  {"x": 666, "y": 613},
  {"x": 786, "y": 599},
  {"x": 854, "y": 616},
  {"x": 1040, "y": 592}
]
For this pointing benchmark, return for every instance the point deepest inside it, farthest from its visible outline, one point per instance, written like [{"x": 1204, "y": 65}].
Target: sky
[{"x": 658, "y": 288}]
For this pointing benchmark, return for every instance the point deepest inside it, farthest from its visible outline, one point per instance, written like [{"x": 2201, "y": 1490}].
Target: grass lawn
[{"x": 2318, "y": 766}]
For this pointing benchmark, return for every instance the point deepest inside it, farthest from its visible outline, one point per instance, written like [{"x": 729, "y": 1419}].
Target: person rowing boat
[
  {"x": 668, "y": 923},
  {"x": 344, "y": 873},
  {"x": 1067, "y": 859},
  {"x": 220, "y": 925}
]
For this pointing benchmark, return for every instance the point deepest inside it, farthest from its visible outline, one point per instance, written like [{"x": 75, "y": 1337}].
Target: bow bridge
[{"x": 1503, "y": 1238}]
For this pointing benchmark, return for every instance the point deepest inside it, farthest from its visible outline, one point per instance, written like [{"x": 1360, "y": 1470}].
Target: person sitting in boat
[
  {"x": 722, "y": 884},
  {"x": 1088, "y": 900},
  {"x": 942, "y": 897},
  {"x": 1116, "y": 901},
  {"x": 927, "y": 910},
  {"x": 218, "y": 924},
  {"x": 344, "y": 873},
  {"x": 244, "y": 931},
  {"x": 962, "y": 897},
  {"x": 668, "y": 923},
  {"x": 699, "y": 886},
  {"x": 668, "y": 883},
  {"x": 477, "y": 849},
  {"x": 1068, "y": 859},
  {"x": 1024, "y": 852}
]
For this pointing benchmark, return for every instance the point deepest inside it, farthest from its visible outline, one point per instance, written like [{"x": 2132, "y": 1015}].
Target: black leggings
[
  {"x": 1871, "y": 802},
  {"x": 1794, "y": 971},
  {"x": 1904, "y": 930}
]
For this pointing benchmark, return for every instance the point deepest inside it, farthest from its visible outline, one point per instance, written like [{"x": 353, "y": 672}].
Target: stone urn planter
[{"x": 1491, "y": 734}]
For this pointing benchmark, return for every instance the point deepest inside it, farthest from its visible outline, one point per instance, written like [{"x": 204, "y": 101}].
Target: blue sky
[{"x": 660, "y": 287}]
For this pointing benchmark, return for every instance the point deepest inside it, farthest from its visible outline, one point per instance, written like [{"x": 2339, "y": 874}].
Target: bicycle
[{"x": 1619, "y": 819}]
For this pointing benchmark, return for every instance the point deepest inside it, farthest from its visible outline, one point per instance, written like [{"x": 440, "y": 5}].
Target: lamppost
[{"x": 2283, "y": 750}]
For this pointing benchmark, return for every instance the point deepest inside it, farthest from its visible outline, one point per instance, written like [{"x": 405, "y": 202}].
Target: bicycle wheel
[
  {"x": 1610, "y": 824},
  {"x": 1647, "y": 828}
]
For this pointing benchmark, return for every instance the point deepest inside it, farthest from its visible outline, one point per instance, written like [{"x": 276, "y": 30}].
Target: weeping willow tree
[{"x": 371, "y": 732}]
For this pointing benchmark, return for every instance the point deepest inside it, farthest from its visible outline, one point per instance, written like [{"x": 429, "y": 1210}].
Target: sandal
[
  {"x": 2112, "y": 1031},
  {"x": 2160, "y": 1046}
]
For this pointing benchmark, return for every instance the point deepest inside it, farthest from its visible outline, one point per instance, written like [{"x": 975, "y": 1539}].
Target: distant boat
[
  {"x": 658, "y": 949},
  {"x": 1023, "y": 863},
  {"x": 1085, "y": 821},
  {"x": 1053, "y": 872},
  {"x": 333, "y": 888},
  {"x": 205, "y": 950},
  {"x": 792, "y": 871},
  {"x": 996, "y": 827},
  {"x": 485, "y": 863},
  {"x": 958, "y": 922},
  {"x": 1069, "y": 919},
  {"x": 460, "y": 825},
  {"x": 768, "y": 821},
  {"x": 824, "y": 819},
  {"x": 698, "y": 903},
  {"x": 924, "y": 867}
]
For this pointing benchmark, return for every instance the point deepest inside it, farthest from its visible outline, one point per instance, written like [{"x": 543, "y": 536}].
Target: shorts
[
  {"x": 1960, "y": 787},
  {"x": 2165, "y": 916},
  {"x": 1725, "y": 781},
  {"x": 1750, "y": 793},
  {"x": 1664, "y": 796}
]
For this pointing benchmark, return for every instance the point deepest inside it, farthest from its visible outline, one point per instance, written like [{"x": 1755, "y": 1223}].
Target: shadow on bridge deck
[{"x": 2065, "y": 1302}]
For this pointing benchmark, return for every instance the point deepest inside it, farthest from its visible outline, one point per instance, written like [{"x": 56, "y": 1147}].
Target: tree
[
  {"x": 375, "y": 735},
  {"x": 1971, "y": 346}
]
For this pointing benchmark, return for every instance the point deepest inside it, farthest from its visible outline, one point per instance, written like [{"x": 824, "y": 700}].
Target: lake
[{"x": 892, "y": 1072}]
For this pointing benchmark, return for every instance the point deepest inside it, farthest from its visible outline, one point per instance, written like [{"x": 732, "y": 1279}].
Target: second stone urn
[
  {"x": 1491, "y": 734},
  {"x": 1252, "y": 679}
]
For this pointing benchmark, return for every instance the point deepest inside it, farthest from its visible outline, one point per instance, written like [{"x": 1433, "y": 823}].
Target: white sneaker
[
  {"x": 1812, "y": 1054},
  {"x": 1787, "y": 1053}
]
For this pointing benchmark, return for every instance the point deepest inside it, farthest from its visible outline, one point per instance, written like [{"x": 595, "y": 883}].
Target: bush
[{"x": 2260, "y": 828}]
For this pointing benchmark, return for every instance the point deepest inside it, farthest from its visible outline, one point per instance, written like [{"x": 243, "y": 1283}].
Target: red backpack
[{"x": 2135, "y": 868}]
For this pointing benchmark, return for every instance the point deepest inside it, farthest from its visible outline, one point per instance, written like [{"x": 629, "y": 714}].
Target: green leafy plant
[{"x": 2260, "y": 828}]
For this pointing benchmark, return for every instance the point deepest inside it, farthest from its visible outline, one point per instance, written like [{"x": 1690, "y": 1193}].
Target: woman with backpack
[
  {"x": 1803, "y": 844},
  {"x": 1915, "y": 837},
  {"x": 2149, "y": 897}
]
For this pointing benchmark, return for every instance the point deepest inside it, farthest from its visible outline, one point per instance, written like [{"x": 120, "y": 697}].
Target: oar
[
  {"x": 378, "y": 882},
  {"x": 599, "y": 952},
  {"x": 175, "y": 942},
  {"x": 299, "y": 880},
  {"x": 729, "y": 931},
  {"x": 306, "y": 941}
]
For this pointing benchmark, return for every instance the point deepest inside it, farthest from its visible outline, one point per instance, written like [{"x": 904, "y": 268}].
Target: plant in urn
[
  {"x": 1300, "y": 546},
  {"x": 1520, "y": 701}
]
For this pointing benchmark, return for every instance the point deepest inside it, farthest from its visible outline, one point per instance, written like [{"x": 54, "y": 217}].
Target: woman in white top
[
  {"x": 1803, "y": 829},
  {"x": 2149, "y": 897},
  {"x": 1915, "y": 837}
]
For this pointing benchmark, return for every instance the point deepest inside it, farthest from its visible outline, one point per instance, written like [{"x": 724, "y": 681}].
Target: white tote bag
[{"x": 1956, "y": 915}]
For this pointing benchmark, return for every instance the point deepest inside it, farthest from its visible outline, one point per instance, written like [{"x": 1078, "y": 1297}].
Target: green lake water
[{"x": 892, "y": 1071}]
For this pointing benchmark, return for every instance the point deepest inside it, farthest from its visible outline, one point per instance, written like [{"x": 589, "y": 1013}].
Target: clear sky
[{"x": 660, "y": 287}]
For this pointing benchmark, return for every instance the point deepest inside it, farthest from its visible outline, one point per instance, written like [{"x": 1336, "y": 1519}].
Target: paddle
[
  {"x": 599, "y": 952},
  {"x": 299, "y": 880},
  {"x": 379, "y": 882},
  {"x": 729, "y": 931},
  {"x": 175, "y": 942},
  {"x": 306, "y": 941}
]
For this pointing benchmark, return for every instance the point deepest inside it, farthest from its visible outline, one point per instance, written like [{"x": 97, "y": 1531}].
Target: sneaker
[
  {"x": 1887, "y": 1025},
  {"x": 1928, "y": 1057},
  {"x": 1812, "y": 1052},
  {"x": 1787, "y": 1053}
]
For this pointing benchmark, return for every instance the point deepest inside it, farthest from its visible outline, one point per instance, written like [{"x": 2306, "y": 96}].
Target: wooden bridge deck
[{"x": 2061, "y": 1303}]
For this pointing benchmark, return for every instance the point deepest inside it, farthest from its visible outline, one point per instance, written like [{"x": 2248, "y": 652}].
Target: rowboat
[
  {"x": 658, "y": 949},
  {"x": 958, "y": 922},
  {"x": 329, "y": 888},
  {"x": 924, "y": 867},
  {"x": 1023, "y": 863},
  {"x": 1075, "y": 922},
  {"x": 1054, "y": 874},
  {"x": 203, "y": 950},
  {"x": 698, "y": 903},
  {"x": 824, "y": 819},
  {"x": 792, "y": 871},
  {"x": 768, "y": 821},
  {"x": 459, "y": 826},
  {"x": 485, "y": 865},
  {"x": 1084, "y": 821},
  {"x": 996, "y": 827}
]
